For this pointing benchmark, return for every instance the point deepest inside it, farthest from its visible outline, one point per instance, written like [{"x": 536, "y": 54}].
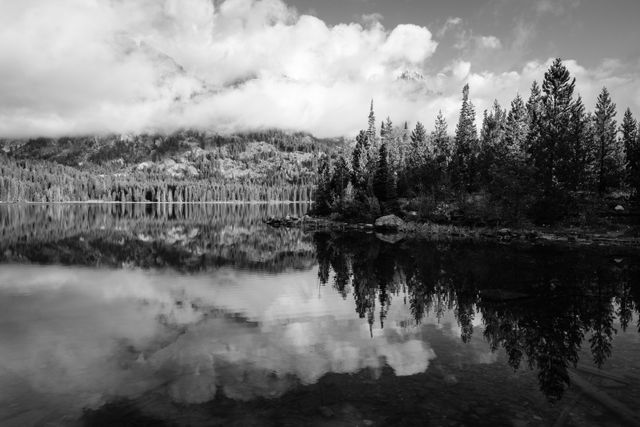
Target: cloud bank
[{"x": 101, "y": 66}]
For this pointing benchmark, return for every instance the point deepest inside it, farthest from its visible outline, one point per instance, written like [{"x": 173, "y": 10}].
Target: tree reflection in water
[{"x": 540, "y": 304}]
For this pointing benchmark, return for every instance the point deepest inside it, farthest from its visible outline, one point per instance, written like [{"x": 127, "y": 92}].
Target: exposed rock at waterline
[{"x": 388, "y": 223}]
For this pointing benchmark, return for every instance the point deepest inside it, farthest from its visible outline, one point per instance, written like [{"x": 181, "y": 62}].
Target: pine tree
[
  {"x": 383, "y": 183},
  {"x": 629, "y": 132},
  {"x": 340, "y": 178},
  {"x": 358, "y": 161},
  {"x": 516, "y": 126},
  {"x": 323, "y": 189},
  {"x": 549, "y": 141},
  {"x": 441, "y": 141},
  {"x": 633, "y": 167},
  {"x": 393, "y": 148},
  {"x": 371, "y": 130},
  {"x": 608, "y": 161},
  {"x": 534, "y": 113},
  {"x": 418, "y": 150},
  {"x": 465, "y": 146},
  {"x": 576, "y": 166},
  {"x": 534, "y": 103},
  {"x": 492, "y": 141},
  {"x": 493, "y": 125},
  {"x": 403, "y": 144},
  {"x": 509, "y": 173}
]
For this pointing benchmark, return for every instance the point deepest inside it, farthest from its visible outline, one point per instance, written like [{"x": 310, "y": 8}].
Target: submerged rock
[{"x": 389, "y": 223}]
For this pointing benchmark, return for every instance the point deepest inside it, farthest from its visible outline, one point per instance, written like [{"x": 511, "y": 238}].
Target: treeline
[
  {"x": 36, "y": 181},
  {"x": 543, "y": 159},
  {"x": 183, "y": 167}
]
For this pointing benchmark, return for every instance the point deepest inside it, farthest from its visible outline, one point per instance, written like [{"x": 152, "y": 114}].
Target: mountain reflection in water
[{"x": 125, "y": 315}]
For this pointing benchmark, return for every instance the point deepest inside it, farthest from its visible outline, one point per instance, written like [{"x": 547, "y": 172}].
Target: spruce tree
[
  {"x": 509, "y": 173},
  {"x": 549, "y": 141},
  {"x": 608, "y": 154},
  {"x": 629, "y": 133},
  {"x": 357, "y": 161},
  {"x": 534, "y": 112},
  {"x": 465, "y": 146},
  {"x": 403, "y": 145},
  {"x": 633, "y": 167},
  {"x": 393, "y": 147},
  {"x": 441, "y": 141},
  {"x": 323, "y": 188},
  {"x": 534, "y": 103},
  {"x": 339, "y": 179},
  {"x": 577, "y": 165},
  {"x": 516, "y": 126},
  {"x": 418, "y": 145},
  {"x": 371, "y": 130},
  {"x": 383, "y": 183},
  {"x": 492, "y": 141}
]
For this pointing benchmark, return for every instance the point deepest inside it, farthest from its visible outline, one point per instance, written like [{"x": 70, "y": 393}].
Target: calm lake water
[{"x": 200, "y": 315}]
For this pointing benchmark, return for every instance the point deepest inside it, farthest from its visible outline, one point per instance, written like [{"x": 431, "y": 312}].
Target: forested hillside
[{"x": 186, "y": 166}]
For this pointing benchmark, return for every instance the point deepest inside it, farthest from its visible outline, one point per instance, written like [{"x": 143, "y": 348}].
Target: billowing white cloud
[{"x": 76, "y": 66}]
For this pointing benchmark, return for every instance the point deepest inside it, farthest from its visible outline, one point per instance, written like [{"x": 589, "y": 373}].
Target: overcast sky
[{"x": 98, "y": 66}]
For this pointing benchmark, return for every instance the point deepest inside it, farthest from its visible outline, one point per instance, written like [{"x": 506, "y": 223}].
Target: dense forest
[
  {"x": 187, "y": 166},
  {"x": 545, "y": 159}
]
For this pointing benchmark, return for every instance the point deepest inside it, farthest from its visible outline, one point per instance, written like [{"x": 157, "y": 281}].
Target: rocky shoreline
[{"x": 392, "y": 229}]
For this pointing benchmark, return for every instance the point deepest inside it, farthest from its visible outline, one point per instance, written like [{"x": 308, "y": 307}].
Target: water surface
[{"x": 202, "y": 315}]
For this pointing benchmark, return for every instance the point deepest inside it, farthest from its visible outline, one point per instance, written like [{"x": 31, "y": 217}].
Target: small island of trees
[{"x": 543, "y": 160}]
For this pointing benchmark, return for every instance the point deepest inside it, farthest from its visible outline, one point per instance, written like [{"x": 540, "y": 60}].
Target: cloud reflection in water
[{"x": 82, "y": 336}]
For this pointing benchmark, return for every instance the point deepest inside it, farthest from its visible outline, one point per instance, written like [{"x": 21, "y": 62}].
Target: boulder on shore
[{"x": 388, "y": 223}]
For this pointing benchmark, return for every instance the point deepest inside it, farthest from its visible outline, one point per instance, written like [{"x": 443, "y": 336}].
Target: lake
[{"x": 201, "y": 315}]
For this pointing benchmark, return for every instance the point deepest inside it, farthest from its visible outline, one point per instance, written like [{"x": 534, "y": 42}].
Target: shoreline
[{"x": 433, "y": 231}]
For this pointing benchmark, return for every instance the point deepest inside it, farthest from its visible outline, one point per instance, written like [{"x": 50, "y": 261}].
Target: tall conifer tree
[
  {"x": 549, "y": 140},
  {"x": 465, "y": 146},
  {"x": 383, "y": 183},
  {"x": 630, "y": 135},
  {"x": 608, "y": 154},
  {"x": 516, "y": 126},
  {"x": 577, "y": 165},
  {"x": 371, "y": 130}
]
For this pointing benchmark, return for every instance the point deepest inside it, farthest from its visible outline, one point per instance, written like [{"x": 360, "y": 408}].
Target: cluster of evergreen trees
[{"x": 545, "y": 158}]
